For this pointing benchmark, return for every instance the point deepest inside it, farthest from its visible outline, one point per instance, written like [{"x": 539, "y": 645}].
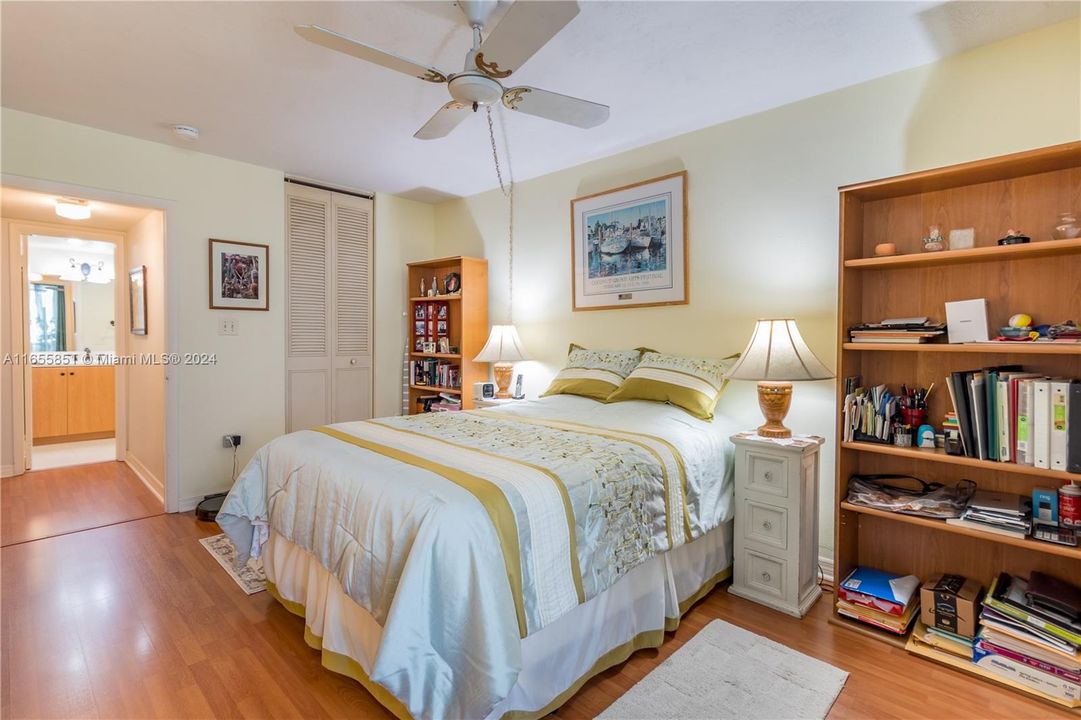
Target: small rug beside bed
[
  {"x": 727, "y": 672},
  {"x": 251, "y": 577}
]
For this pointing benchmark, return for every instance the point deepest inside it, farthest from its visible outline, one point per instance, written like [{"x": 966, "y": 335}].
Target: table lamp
[
  {"x": 775, "y": 356},
  {"x": 503, "y": 348}
]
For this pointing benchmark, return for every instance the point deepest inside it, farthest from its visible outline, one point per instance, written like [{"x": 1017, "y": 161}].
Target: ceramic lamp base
[
  {"x": 503, "y": 372},
  {"x": 774, "y": 398}
]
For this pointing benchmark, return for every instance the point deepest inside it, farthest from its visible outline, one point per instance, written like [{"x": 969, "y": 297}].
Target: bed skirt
[{"x": 556, "y": 661}]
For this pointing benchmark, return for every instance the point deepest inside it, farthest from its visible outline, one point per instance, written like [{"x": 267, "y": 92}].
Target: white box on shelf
[{"x": 966, "y": 321}]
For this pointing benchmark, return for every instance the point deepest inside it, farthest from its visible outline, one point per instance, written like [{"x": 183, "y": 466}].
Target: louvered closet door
[
  {"x": 352, "y": 317},
  {"x": 308, "y": 380},
  {"x": 329, "y": 307}
]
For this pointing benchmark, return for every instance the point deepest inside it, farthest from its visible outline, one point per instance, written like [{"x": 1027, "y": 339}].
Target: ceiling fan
[{"x": 525, "y": 28}]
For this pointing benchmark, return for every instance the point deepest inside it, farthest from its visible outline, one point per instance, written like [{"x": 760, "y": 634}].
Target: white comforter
[{"x": 463, "y": 533}]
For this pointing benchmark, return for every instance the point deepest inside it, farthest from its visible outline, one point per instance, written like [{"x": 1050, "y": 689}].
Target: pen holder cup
[{"x": 914, "y": 416}]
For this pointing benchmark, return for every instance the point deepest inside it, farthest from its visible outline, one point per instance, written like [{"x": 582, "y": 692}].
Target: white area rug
[
  {"x": 251, "y": 577},
  {"x": 727, "y": 672}
]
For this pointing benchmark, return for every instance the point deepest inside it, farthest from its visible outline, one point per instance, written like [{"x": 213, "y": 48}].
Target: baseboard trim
[
  {"x": 143, "y": 473},
  {"x": 826, "y": 563},
  {"x": 188, "y": 504},
  {"x": 7, "y": 471}
]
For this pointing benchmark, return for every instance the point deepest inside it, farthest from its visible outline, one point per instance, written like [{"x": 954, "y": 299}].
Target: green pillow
[
  {"x": 694, "y": 384},
  {"x": 593, "y": 373}
]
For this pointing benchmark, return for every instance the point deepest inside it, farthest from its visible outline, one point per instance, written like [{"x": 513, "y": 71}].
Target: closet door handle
[
  {"x": 767, "y": 525},
  {"x": 765, "y": 576},
  {"x": 63, "y": 374}
]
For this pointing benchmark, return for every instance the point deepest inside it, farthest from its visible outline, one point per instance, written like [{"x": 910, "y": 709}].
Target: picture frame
[
  {"x": 444, "y": 345},
  {"x": 418, "y": 312},
  {"x": 137, "y": 300},
  {"x": 629, "y": 246},
  {"x": 428, "y": 347},
  {"x": 418, "y": 344},
  {"x": 442, "y": 312},
  {"x": 419, "y": 328},
  {"x": 239, "y": 274},
  {"x": 441, "y": 327},
  {"x": 452, "y": 284}
]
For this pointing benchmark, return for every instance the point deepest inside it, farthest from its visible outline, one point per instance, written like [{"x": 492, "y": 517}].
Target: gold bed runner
[{"x": 634, "y": 439}]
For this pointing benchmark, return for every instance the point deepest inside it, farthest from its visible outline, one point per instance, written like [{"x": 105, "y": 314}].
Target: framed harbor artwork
[{"x": 629, "y": 245}]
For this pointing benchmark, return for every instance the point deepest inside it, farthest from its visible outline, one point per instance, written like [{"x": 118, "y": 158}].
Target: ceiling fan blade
[
  {"x": 524, "y": 29},
  {"x": 553, "y": 106},
  {"x": 334, "y": 41},
  {"x": 445, "y": 119}
]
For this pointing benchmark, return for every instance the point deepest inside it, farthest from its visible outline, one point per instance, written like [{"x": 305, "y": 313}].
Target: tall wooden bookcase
[
  {"x": 466, "y": 322},
  {"x": 1025, "y": 191}
]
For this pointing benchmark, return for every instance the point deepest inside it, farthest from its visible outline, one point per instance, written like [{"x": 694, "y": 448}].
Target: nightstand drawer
[
  {"x": 767, "y": 474},
  {"x": 765, "y": 573},
  {"x": 765, "y": 524}
]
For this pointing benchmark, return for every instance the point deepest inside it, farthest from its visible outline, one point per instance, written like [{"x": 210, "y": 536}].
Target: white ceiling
[
  {"x": 41, "y": 207},
  {"x": 261, "y": 94}
]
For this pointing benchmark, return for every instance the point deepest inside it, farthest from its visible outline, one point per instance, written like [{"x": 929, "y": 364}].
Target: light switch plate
[{"x": 228, "y": 326}]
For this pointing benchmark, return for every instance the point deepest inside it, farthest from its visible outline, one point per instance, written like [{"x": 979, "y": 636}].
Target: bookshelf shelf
[
  {"x": 442, "y": 356},
  {"x": 436, "y": 389},
  {"x": 1000, "y": 348},
  {"x": 1043, "y": 278},
  {"x": 436, "y": 298},
  {"x": 939, "y": 455},
  {"x": 1028, "y": 544},
  {"x": 994, "y": 253}
]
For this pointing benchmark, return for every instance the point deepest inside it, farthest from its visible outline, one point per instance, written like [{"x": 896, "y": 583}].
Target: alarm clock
[{"x": 483, "y": 390}]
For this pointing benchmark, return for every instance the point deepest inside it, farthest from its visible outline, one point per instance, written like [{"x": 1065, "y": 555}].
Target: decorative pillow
[
  {"x": 694, "y": 384},
  {"x": 593, "y": 373}
]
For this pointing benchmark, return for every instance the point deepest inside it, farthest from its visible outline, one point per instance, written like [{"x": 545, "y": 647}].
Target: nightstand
[
  {"x": 495, "y": 402},
  {"x": 776, "y": 521}
]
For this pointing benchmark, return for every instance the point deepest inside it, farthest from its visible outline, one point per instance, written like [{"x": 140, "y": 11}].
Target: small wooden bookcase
[
  {"x": 466, "y": 323},
  {"x": 1024, "y": 191}
]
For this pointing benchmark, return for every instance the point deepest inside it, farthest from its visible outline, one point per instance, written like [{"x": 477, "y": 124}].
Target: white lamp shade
[
  {"x": 503, "y": 346},
  {"x": 777, "y": 352}
]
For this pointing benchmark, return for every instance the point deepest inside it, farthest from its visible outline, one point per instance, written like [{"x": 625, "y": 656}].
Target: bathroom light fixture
[
  {"x": 186, "y": 132},
  {"x": 72, "y": 208}
]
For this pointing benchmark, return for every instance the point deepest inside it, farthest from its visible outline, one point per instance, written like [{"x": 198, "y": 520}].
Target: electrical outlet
[
  {"x": 230, "y": 441},
  {"x": 228, "y": 326}
]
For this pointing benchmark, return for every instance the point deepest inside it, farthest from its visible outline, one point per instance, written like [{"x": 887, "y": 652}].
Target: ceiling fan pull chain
[{"x": 508, "y": 192}]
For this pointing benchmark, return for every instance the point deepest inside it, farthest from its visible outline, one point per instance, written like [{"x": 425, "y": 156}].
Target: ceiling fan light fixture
[
  {"x": 469, "y": 88},
  {"x": 73, "y": 209}
]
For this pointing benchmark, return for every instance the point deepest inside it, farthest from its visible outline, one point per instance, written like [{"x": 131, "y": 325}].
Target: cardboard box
[{"x": 951, "y": 603}]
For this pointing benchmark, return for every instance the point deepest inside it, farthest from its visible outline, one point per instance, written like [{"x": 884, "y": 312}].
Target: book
[
  {"x": 883, "y": 621},
  {"x": 1021, "y": 641},
  {"x": 942, "y": 640},
  {"x": 1006, "y": 595},
  {"x": 978, "y": 404},
  {"x": 1020, "y": 656},
  {"x": 1024, "y": 429},
  {"x": 991, "y": 405},
  {"x": 988, "y": 528},
  {"x": 1027, "y": 676},
  {"x": 1000, "y": 623},
  {"x": 1073, "y": 430},
  {"x": 1041, "y": 423},
  {"x": 1060, "y": 408}
]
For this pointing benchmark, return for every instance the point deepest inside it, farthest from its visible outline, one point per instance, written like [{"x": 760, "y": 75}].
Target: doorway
[
  {"x": 87, "y": 443},
  {"x": 71, "y": 323}
]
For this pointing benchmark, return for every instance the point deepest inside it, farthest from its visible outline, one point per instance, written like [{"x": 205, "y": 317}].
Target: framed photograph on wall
[
  {"x": 629, "y": 245},
  {"x": 137, "y": 299},
  {"x": 238, "y": 276}
]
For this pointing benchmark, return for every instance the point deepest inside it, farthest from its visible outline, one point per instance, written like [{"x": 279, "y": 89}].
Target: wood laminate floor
[
  {"x": 136, "y": 620},
  {"x": 45, "y": 503}
]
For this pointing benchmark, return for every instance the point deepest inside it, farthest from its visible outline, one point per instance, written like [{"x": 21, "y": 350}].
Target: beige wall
[
  {"x": 145, "y": 443},
  {"x": 404, "y": 232},
  {"x": 763, "y": 210},
  {"x": 220, "y": 198},
  {"x": 210, "y": 197}
]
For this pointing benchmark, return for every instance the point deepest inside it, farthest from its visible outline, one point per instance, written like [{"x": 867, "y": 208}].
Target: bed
[{"x": 485, "y": 564}]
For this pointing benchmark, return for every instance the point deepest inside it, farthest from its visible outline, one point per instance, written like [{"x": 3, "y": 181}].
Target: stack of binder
[
  {"x": 882, "y": 599},
  {"x": 1030, "y": 641},
  {"x": 999, "y": 513}
]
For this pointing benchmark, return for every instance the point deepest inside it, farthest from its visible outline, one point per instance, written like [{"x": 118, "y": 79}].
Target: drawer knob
[
  {"x": 767, "y": 525},
  {"x": 765, "y": 576},
  {"x": 768, "y": 475}
]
